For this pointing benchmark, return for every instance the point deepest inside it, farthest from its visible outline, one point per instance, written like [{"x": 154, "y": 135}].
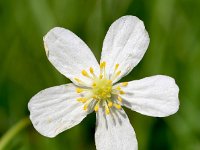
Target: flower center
[
  {"x": 102, "y": 88},
  {"x": 102, "y": 92}
]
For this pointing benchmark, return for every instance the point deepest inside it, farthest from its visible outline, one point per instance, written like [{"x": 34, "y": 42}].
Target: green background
[{"x": 174, "y": 29}]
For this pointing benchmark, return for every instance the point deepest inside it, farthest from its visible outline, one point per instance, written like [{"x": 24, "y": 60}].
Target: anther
[
  {"x": 85, "y": 107},
  {"x": 91, "y": 70},
  {"x": 94, "y": 84},
  {"x": 82, "y": 99},
  {"x": 100, "y": 76},
  {"x": 96, "y": 107},
  {"x": 121, "y": 92},
  {"x": 117, "y": 106},
  {"x": 110, "y": 104},
  {"x": 79, "y": 90},
  {"x": 118, "y": 73},
  {"x": 107, "y": 110},
  {"x": 116, "y": 66},
  {"x": 102, "y": 64},
  {"x": 80, "y": 82},
  {"x": 77, "y": 80},
  {"x": 119, "y": 98},
  {"x": 94, "y": 96},
  {"x": 118, "y": 88},
  {"x": 124, "y": 83},
  {"x": 84, "y": 73},
  {"x": 79, "y": 99}
]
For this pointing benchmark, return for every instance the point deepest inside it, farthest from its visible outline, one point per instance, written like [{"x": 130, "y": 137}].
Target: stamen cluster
[{"x": 101, "y": 92}]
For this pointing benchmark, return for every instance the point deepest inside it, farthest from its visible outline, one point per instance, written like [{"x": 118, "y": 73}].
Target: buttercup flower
[{"x": 95, "y": 86}]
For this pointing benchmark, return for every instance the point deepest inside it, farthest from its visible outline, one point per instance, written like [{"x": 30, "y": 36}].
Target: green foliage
[{"x": 174, "y": 50}]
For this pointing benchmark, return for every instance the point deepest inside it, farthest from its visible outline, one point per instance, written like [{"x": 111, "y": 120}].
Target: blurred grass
[{"x": 174, "y": 50}]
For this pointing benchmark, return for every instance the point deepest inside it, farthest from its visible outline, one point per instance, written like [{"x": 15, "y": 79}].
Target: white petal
[
  {"x": 56, "y": 109},
  {"x": 153, "y": 96},
  {"x": 125, "y": 44},
  {"x": 114, "y": 131},
  {"x": 68, "y": 53}
]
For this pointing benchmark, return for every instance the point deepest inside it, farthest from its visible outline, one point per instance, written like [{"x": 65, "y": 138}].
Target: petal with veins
[
  {"x": 114, "y": 131},
  {"x": 56, "y": 109},
  {"x": 125, "y": 44},
  {"x": 69, "y": 54},
  {"x": 153, "y": 96}
]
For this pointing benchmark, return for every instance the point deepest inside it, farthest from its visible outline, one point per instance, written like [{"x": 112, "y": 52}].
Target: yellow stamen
[
  {"x": 85, "y": 107},
  {"x": 84, "y": 73},
  {"x": 104, "y": 69},
  {"x": 116, "y": 66},
  {"x": 100, "y": 76},
  {"x": 82, "y": 99},
  {"x": 91, "y": 70},
  {"x": 94, "y": 96},
  {"x": 77, "y": 80},
  {"x": 94, "y": 84},
  {"x": 121, "y": 92},
  {"x": 118, "y": 73},
  {"x": 102, "y": 64},
  {"x": 96, "y": 108},
  {"x": 110, "y": 104},
  {"x": 118, "y": 88},
  {"x": 119, "y": 98},
  {"x": 117, "y": 106},
  {"x": 79, "y": 99},
  {"x": 107, "y": 111},
  {"x": 124, "y": 83},
  {"x": 115, "y": 75},
  {"x": 79, "y": 90}
]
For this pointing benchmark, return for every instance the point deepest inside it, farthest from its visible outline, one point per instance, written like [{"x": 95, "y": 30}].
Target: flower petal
[
  {"x": 69, "y": 54},
  {"x": 153, "y": 96},
  {"x": 125, "y": 44},
  {"x": 56, "y": 109},
  {"x": 114, "y": 131}
]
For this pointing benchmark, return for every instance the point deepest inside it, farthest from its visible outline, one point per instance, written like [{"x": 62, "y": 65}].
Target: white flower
[{"x": 94, "y": 86}]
